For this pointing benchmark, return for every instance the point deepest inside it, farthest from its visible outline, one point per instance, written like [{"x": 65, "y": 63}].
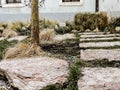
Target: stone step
[
  {"x": 18, "y": 38},
  {"x": 100, "y": 36},
  {"x": 99, "y": 54},
  {"x": 1, "y": 38},
  {"x": 100, "y": 39},
  {"x": 100, "y": 79},
  {"x": 99, "y": 44},
  {"x": 64, "y": 37},
  {"x": 91, "y": 33}
]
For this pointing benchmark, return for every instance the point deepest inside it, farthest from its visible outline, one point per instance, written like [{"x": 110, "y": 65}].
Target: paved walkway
[
  {"x": 100, "y": 78},
  {"x": 92, "y": 46}
]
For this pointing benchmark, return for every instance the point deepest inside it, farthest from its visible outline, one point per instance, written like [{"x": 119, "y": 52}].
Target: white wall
[
  {"x": 110, "y": 6},
  {"x": 53, "y": 10},
  {"x": 52, "y": 6}
]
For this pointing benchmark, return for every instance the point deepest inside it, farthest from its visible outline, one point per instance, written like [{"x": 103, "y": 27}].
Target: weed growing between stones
[
  {"x": 71, "y": 84},
  {"x": 75, "y": 72}
]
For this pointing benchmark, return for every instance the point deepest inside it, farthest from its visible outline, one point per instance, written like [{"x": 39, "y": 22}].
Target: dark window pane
[
  {"x": 13, "y": 1},
  {"x": 70, "y": 0}
]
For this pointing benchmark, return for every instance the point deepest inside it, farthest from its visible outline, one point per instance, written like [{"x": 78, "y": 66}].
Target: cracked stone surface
[
  {"x": 99, "y": 44},
  {"x": 35, "y": 73},
  {"x": 93, "y": 54},
  {"x": 100, "y": 79}
]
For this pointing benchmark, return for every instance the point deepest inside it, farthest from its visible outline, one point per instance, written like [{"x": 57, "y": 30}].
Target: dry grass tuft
[
  {"x": 7, "y": 33},
  {"x": 22, "y": 50},
  {"x": 46, "y": 35}
]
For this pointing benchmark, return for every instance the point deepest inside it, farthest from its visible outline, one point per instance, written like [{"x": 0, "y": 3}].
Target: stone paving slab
[
  {"x": 18, "y": 38},
  {"x": 64, "y": 37},
  {"x": 100, "y": 36},
  {"x": 91, "y": 33},
  {"x": 1, "y": 38},
  {"x": 99, "y": 54},
  {"x": 95, "y": 39},
  {"x": 99, "y": 44},
  {"x": 35, "y": 73},
  {"x": 100, "y": 79}
]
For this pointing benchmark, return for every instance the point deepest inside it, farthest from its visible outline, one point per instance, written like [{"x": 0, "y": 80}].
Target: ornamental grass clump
[
  {"x": 21, "y": 50},
  {"x": 90, "y": 21}
]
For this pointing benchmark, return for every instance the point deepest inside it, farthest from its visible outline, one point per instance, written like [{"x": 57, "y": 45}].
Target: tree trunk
[{"x": 35, "y": 22}]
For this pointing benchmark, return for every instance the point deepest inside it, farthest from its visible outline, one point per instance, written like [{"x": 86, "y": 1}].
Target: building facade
[{"x": 61, "y": 10}]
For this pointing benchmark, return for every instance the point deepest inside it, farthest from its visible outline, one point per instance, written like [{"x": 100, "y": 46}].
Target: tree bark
[{"x": 35, "y": 22}]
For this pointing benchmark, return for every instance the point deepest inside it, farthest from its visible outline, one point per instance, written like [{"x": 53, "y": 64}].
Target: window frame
[
  {"x": 7, "y": 1},
  {"x": 12, "y": 5},
  {"x": 70, "y": 3}
]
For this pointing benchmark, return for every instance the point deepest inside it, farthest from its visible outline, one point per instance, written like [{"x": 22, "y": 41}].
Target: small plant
[
  {"x": 112, "y": 25},
  {"x": 75, "y": 73},
  {"x": 53, "y": 87},
  {"x": 63, "y": 30},
  {"x": 4, "y": 25},
  {"x": 22, "y": 28},
  {"x": 71, "y": 84},
  {"x": 4, "y": 44},
  {"x": 45, "y": 23}
]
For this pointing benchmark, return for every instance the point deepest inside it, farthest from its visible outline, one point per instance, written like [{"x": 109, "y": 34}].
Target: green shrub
[
  {"x": 65, "y": 29},
  {"x": 112, "y": 25},
  {"x": 4, "y": 25},
  {"x": 22, "y": 28},
  {"x": 115, "y": 21},
  {"x": 52, "y": 87},
  {"x": 45, "y": 23},
  {"x": 5, "y": 44},
  {"x": 85, "y": 21}
]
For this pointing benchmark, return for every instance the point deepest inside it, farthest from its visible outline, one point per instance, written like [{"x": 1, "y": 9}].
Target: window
[
  {"x": 71, "y": 2},
  {"x": 13, "y": 1}
]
